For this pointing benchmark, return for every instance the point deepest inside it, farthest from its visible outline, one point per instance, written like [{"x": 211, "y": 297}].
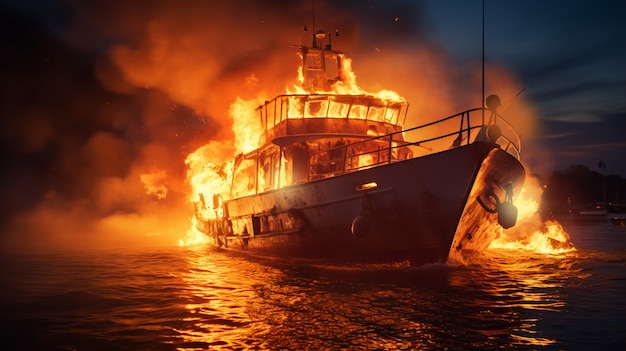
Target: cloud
[
  {"x": 609, "y": 146},
  {"x": 559, "y": 135}
]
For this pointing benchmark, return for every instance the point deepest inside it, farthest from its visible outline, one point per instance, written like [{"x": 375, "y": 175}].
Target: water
[{"x": 195, "y": 299}]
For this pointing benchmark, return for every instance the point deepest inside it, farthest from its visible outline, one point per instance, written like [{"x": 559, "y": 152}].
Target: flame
[
  {"x": 246, "y": 124},
  {"x": 526, "y": 205},
  {"x": 531, "y": 233},
  {"x": 549, "y": 240},
  {"x": 347, "y": 85},
  {"x": 193, "y": 237},
  {"x": 208, "y": 172},
  {"x": 210, "y": 167},
  {"x": 155, "y": 183}
]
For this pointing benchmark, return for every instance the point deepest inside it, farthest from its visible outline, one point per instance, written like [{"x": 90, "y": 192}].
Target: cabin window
[
  {"x": 329, "y": 158},
  {"x": 269, "y": 169},
  {"x": 338, "y": 109},
  {"x": 296, "y": 163},
  {"x": 244, "y": 180},
  {"x": 377, "y": 113},
  {"x": 359, "y": 111},
  {"x": 314, "y": 74},
  {"x": 392, "y": 115},
  {"x": 316, "y": 108},
  {"x": 293, "y": 107}
]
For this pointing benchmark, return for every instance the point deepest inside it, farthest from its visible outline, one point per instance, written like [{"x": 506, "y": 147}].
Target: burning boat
[{"x": 340, "y": 176}]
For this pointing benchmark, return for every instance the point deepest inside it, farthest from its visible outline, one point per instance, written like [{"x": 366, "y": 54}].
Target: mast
[
  {"x": 314, "y": 44},
  {"x": 602, "y": 166},
  {"x": 482, "y": 98}
]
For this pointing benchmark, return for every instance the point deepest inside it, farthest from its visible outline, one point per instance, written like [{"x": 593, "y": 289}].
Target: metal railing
[
  {"x": 298, "y": 106},
  {"x": 429, "y": 138}
]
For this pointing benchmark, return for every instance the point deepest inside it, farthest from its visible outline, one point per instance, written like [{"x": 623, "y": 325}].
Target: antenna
[
  {"x": 304, "y": 36},
  {"x": 482, "y": 98},
  {"x": 313, "y": 12},
  {"x": 508, "y": 103}
]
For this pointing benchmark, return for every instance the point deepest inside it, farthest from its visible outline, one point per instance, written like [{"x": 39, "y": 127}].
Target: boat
[
  {"x": 618, "y": 221},
  {"x": 616, "y": 214},
  {"x": 602, "y": 212},
  {"x": 598, "y": 212},
  {"x": 339, "y": 176}
]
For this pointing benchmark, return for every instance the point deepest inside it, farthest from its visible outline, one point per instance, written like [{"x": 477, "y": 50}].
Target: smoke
[{"x": 103, "y": 101}]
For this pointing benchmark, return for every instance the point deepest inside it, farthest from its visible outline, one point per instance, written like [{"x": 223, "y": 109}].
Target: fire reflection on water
[
  {"x": 199, "y": 298},
  {"x": 503, "y": 298},
  {"x": 221, "y": 308},
  {"x": 526, "y": 286},
  {"x": 282, "y": 304}
]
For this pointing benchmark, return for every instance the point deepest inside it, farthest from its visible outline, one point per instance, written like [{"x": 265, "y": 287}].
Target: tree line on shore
[{"x": 578, "y": 187}]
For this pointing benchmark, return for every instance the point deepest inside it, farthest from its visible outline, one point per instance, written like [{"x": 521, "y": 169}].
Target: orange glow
[
  {"x": 549, "y": 240},
  {"x": 526, "y": 205},
  {"x": 209, "y": 173},
  {"x": 210, "y": 167},
  {"x": 346, "y": 86},
  {"x": 531, "y": 233},
  {"x": 193, "y": 236},
  {"x": 155, "y": 183},
  {"x": 246, "y": 124}
]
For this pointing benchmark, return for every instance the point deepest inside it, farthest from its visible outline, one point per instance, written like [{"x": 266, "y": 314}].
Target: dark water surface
[{"x": 195, "y": 299}]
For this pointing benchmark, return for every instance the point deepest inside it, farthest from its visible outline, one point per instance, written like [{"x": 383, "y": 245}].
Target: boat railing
[
  {"x": 299, "y": 106},
  {"x": 444, "y": 134}
]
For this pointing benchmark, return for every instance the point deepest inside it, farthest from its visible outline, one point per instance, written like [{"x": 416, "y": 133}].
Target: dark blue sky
[{"x": 571, "y": 59}]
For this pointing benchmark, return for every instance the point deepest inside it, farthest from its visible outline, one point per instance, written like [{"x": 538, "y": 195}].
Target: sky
[
  {"x": 102, "y": 101},
  {"x": 570, "y": 57}
]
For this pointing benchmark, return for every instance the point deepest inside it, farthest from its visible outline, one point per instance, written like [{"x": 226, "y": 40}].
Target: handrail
[
  {"x": 297, "y": 106},
  {"x": 360, "y": 154}
]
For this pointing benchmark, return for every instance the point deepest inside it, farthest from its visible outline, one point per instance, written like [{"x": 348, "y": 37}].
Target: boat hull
[{"x": 416, "y": 209}]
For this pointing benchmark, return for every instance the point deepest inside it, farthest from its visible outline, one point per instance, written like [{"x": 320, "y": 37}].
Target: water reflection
[
  {"x": 525, "y": 287},
  {"x": 221, "y": 302},
  {"x": 498, "y": 300},
  {"x": 205, "y": 299}
]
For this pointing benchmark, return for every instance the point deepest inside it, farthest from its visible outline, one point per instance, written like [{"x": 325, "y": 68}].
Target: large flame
[
  {"x": 210, "y": 167},
  {"x": 531, "y": 233},
  {"x": 347, "y": 85},
  {"x": 155, "y": 183}
]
